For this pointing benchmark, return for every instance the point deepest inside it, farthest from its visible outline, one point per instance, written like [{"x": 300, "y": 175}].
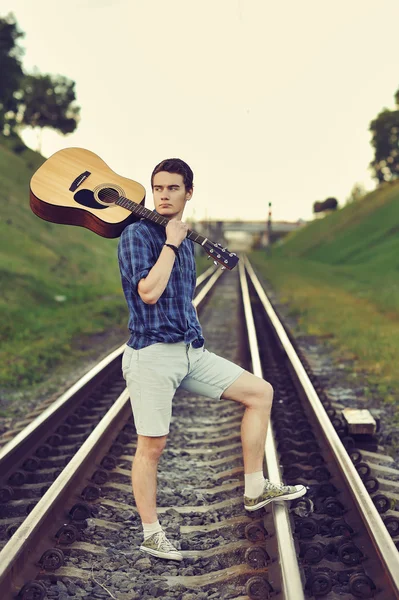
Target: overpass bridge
[
  {"x": 259, "y": 227},
  {"x": 243, "y": 235}
]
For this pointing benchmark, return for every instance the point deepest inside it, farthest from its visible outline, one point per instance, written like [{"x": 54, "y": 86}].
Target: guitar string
[
  {"x": 143, "y": 209},
  {"x": 138, "y": 208}
]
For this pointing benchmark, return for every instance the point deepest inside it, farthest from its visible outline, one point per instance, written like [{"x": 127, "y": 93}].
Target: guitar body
[{"x": 76, "y": 187}]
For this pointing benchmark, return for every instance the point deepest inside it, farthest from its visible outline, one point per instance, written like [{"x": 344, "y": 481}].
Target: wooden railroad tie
[{"x": 359, "y": 421}]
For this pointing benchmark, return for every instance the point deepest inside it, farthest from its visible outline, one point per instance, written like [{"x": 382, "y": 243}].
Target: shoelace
[
  {"x": 163, "y": 542},
  {"x": 276, "y": 486}
]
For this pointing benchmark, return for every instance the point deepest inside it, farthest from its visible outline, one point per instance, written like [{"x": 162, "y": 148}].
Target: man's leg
[
  {"x": 152, "y": 375},
  {"x": 144, "y": 475},
  {"x": 144, "y": 482},
  {"x": 257, "y": 396}
]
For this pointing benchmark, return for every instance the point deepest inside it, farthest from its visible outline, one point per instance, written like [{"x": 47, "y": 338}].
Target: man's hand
[{"x": 176, "y": 231}]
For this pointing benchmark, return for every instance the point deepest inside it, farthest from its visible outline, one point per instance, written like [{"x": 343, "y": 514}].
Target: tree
[
  {"x": 32, "y": 100},
  {"x": 328, "y": 204},
  {"x": 11, "y": 73},
  {"x": 49, "y": 101},
  {"x": 385, "y": 139}
]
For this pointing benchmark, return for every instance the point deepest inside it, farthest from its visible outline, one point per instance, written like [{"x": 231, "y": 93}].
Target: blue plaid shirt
[{"x": 173, "y": 317}]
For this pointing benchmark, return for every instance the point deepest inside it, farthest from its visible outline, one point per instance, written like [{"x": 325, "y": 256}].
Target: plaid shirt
[{"x": 173, "y": 317}]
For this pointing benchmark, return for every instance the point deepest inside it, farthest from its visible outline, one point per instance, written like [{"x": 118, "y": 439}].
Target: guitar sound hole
[{"x": 108, "y": 195}]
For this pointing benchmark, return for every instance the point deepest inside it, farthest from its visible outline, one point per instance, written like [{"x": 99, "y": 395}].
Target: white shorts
[{"x": 154, "y": 373}]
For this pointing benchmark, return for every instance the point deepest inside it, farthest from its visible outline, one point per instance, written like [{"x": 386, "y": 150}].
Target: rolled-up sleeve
[{"x": 136, "y": 256}]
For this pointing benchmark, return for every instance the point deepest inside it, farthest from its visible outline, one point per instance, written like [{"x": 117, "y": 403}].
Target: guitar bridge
[{"x": 79, "y": 180}]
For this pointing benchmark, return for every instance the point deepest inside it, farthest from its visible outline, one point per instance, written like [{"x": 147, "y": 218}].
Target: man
[{"x": 166, "y": 350}]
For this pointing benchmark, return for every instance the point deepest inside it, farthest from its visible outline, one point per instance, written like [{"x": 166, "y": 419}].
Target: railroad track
[
  {"x": 81, "y": 538},
  {"x": 346, "y": 549}
]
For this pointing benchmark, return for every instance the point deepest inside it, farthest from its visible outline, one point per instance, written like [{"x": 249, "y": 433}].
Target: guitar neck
[
  {"x": 142, "y": 212},
  {"x": 220, "y": 255}
]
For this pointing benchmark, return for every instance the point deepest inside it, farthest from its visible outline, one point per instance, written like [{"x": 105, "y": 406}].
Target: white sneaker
[
  {"x": 159, "y": 545},
  {"x": 271, "y": 492}
]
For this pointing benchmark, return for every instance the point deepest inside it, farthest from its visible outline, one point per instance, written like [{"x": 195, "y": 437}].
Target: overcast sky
[{"x": 267, "y": 101}]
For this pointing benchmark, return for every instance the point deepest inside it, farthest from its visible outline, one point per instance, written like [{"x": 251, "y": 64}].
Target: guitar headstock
[{"x": 226, "y": 259}]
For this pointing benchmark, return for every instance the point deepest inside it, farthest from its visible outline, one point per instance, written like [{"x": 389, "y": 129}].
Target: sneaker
[
  {"x": 273, "y": 491},
  {"x": 159, "y": 545}
]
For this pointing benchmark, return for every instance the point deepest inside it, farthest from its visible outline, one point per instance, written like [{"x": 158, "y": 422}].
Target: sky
[{"x": 266, "y": 101}]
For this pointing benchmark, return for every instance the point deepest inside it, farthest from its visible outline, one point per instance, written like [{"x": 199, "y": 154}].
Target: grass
[
  {"x": 40, "y": 262},
  {"x": 339, "y": 277}
]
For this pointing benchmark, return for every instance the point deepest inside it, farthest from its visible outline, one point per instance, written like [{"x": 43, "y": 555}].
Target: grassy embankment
[
  {"x": 340, "y": 277},
  {"x": 40, "y": 261}
]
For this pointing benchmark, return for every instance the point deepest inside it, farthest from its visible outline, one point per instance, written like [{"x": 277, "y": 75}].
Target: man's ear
[{"x": 189, "y": 194}]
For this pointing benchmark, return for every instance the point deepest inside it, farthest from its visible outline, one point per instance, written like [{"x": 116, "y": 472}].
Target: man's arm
[{"x": 152, "y": 287}]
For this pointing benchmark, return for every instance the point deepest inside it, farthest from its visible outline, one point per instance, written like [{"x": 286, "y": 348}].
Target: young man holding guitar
[{"x": 166, "y": 350}]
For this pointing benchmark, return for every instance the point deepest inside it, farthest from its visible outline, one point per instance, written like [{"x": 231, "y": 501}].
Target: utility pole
[{"x": 269, "y": 230}]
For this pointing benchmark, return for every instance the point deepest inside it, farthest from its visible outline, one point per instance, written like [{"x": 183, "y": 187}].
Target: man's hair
[{"x": 175, "y": 165}]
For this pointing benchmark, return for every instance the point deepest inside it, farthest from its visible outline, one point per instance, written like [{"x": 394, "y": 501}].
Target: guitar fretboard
[{"x": 142, "y": 212}]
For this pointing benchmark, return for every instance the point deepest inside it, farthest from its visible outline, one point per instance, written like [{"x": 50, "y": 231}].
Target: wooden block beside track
[{"x": 359, "y": 420}]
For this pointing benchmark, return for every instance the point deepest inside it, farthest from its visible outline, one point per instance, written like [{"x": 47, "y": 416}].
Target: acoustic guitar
[{"x": 76, "y": 187}]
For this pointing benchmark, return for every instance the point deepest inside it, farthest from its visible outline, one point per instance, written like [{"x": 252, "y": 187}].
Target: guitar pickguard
[{"x": 86, "y": 198}]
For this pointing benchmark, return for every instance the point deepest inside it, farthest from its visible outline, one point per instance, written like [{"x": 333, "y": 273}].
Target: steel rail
[
  {"x": 201, "y": 278},
  {"x": 18, "y": 558},
  {"x": 381, "y": 540},
  {"x": 36, "y": 530},
  {"x": 12, "y": 452},
  {"x": 202, "y": 294},
  {"x": 290, "y": 574}
]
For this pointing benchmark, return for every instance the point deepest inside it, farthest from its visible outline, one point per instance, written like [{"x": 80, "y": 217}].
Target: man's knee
[
  {"x": 262, "y": 396},
  {"x": 151, "y": 447}
]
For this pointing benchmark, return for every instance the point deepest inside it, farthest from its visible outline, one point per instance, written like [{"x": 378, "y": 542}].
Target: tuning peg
[
  {"x": 215, "y": 262},
  {"x": 209, "y": 258},
  {"x": 223, "y": 268}
]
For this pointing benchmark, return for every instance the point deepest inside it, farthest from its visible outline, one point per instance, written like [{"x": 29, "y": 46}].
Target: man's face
[{"x": 170, "y": 194}]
